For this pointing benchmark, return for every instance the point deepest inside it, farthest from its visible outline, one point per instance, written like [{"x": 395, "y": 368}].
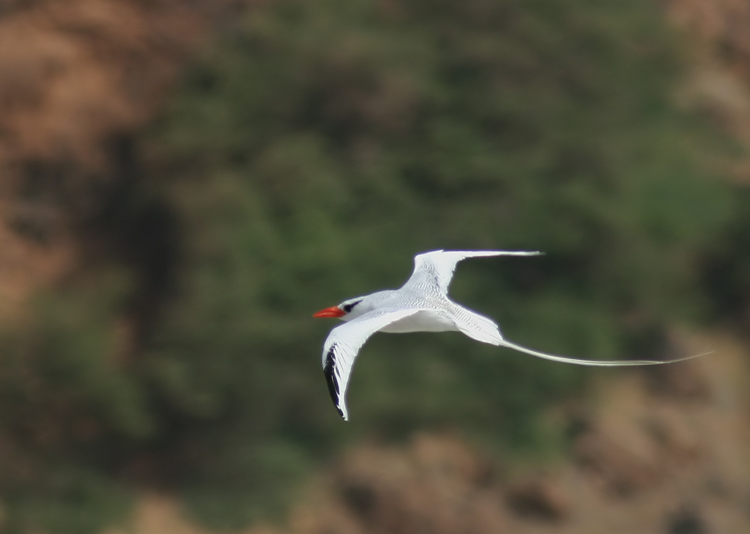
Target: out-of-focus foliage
[
  {"x": 726, "y": 272},
  {"x": 312, "y": 151}
]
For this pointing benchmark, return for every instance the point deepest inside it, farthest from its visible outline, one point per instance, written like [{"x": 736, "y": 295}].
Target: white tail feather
[
  {"x": 594, "y": 363},
  {"x": 485, "y": 330},
  {"x": 480, "y": 328}
]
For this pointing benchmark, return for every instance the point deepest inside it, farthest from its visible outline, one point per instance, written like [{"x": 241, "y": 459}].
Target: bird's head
[{"x": 347, "y": 310}]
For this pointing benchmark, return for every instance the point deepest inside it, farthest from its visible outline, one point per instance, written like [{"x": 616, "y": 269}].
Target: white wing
[
  {"x": 433, "y": 271},
  {"x": 343, "y": 344}
]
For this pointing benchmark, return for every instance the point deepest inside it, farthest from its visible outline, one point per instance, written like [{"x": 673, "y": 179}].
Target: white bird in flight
[{"x": 421, "y": 305}]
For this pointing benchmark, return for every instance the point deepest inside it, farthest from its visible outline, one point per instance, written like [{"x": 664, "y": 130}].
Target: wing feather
[
  {"x": 342, "y": 345},
  {"x": 433, "y": 271}
]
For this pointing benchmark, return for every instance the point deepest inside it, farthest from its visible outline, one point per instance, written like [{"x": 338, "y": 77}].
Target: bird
[{"x": 422, "y": 305}]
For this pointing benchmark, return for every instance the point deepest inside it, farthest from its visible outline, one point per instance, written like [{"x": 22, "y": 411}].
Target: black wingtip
[{"x": 333, "y": 384}]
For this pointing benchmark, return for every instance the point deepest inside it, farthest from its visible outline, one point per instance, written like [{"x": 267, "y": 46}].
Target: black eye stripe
[{"x": 349, "y": 307}]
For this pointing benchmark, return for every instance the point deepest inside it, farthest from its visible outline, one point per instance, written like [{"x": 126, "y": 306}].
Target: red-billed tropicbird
[{"x": 421, "y": 305}]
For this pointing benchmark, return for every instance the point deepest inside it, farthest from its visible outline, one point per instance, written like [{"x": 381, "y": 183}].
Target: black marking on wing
[
  {"x": 432, "y": 275},
  {"x": 435, "y": 279},
  {"x": 329, "y": 370}
]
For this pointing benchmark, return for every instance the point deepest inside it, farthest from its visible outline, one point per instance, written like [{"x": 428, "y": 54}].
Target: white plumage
[{"x": 421, "y": 305}]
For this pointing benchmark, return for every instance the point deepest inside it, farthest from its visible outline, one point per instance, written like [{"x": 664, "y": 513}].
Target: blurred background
[{"x": 182, "y": 184}]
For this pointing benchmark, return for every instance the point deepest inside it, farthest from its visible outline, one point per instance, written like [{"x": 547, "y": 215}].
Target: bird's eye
[{"x": 349, "y": 307}]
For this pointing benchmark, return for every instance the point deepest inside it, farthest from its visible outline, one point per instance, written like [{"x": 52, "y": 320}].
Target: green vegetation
[{"x": 313, "y": 149}]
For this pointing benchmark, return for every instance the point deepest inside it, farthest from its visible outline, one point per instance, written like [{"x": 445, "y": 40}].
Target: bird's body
[
  {"x": 433, "y": 315},
  {"x": 420, "y": 305}
]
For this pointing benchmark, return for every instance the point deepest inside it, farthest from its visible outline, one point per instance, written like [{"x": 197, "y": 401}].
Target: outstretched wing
[
  {"x": 433, "y": 271},
  {"x": 343, "y": 344}
]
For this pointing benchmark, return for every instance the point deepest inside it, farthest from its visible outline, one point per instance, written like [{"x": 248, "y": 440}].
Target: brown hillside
[
  {"x": 74, "y": 76},
  {"x": 663, "y": 451},
  {"x": 720, "y": 82}
]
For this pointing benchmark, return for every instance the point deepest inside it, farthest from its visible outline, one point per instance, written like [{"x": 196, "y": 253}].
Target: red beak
[{"x": 333, "y": 311}]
